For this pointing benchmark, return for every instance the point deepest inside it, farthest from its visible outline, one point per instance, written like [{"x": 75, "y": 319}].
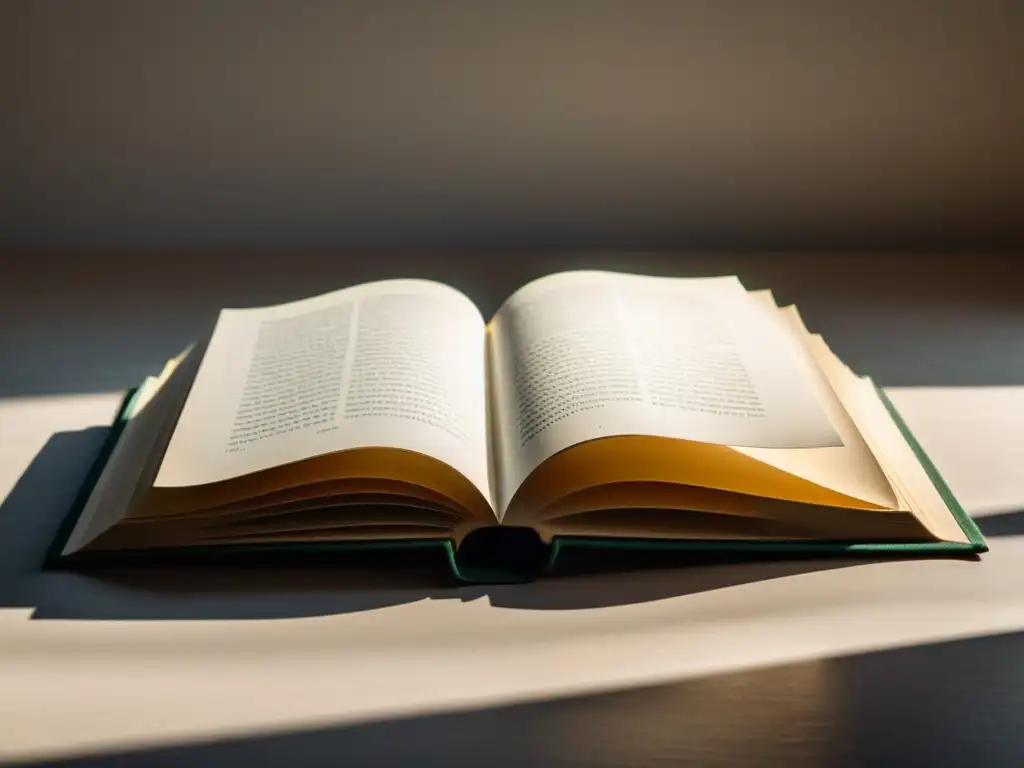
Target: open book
[{"x": 593, "y": 407}]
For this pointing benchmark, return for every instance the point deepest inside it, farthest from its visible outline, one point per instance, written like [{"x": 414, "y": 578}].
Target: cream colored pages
[
  {"x": 152, "y": 408},
  {"x": 397, "y": 363},
  {"x": 586, "y": 355},
  {"x": 850, "y": 468},
  {"x": 886, "y": 440}
]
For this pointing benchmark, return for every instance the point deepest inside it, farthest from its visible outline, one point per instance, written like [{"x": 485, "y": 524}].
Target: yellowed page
[
  {"x": 378, "y": 532},
  {"x": 335, "y": 518},
  {"x": 641, "y": 459},
  {"x": 672, "y": 524},
  {"x": 414, "y": 469},
  {"x": 319, "y": 493},
  {"x": 585, "y": 355},
  {"x": 397, "y": 364}
]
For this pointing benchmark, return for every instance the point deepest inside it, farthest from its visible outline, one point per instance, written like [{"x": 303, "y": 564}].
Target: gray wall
[{"x": 715, "y": 124}]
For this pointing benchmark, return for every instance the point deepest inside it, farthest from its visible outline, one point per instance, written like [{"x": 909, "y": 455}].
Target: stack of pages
[{"x": 596, "y": 409}]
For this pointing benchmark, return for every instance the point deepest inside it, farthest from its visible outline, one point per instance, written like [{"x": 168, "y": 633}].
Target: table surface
[{"x": 808, "y": 663}]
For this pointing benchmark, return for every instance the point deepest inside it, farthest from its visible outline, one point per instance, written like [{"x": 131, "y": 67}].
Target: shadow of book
[
  {"x": 1009, "y": 523},
  {"x": 312, "y": 584}
]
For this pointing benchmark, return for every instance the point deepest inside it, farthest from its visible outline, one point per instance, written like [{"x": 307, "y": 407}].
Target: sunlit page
[
  {"x": 584, "y": 355},
  {"x": 398, "y": 363}
]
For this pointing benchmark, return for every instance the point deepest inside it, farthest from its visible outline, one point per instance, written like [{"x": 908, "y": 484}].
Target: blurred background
[{"x": 161, "y": 160}]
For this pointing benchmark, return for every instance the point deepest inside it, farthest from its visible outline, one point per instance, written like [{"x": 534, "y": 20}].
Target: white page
[
  {"x": 585, "y": 355},
  {"x": 397, "y": 363}
]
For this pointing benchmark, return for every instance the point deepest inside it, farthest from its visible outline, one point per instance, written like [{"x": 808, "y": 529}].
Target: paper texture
[
  {"x": 587, "y": 355},
  {"x": 398, "y": 364}
]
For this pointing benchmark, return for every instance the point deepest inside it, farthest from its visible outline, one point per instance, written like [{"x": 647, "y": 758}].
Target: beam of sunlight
[{"x": 114, "y": 685}]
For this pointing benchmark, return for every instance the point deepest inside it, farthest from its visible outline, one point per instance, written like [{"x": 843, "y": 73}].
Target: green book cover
[{"x": 525, "y": 559}]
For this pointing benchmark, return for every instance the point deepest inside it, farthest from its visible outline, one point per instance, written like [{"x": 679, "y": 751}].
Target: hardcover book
[{"x": 595, "y": 410}]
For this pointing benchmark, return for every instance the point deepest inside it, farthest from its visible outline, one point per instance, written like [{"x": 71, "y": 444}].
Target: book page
[
  {"x": 397, "y": 364},
  {"x": 895, "y": 454},
  {"x": 148, "y": 417},
  {"x": 586, "y": 355},
  {"x": 850, "y": 468}
]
